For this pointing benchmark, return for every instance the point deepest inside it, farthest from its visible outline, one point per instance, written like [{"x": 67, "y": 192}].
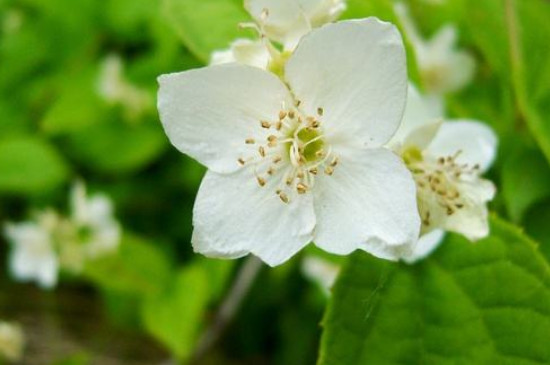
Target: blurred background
[{"x": 78, "y": 102}]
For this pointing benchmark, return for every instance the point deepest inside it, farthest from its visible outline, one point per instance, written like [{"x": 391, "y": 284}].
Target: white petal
[
  {"x": 368, "y": 203},
  {"x": 234, "y": 216},
  {"x": 208, "y": 113},
  {"x": 283, "y": 21},
  {"x": 420, "y": 121},
  {"x": 355, "y": 70},
  {"x": 245, "y": 51},
  {"x": 426, "y": 245},
  {"x": 476, "y": 141},
  {"x": 320, "y": 12},
  {"x": 32, "y": 256},
  {"x": 473, "y": 222}
]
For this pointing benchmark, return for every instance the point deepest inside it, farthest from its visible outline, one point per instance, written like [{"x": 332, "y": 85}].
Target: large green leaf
[
  {"x": 206, "y": 25},
  {"x": 483, "y": 303},
  {"x": 175, "y": 316},
  {"x": 29, "y": 165}
]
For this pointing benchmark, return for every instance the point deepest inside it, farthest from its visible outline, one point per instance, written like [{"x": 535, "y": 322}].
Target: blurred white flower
[
  {"x": 50, "y": 242},
  {"x": 12, "y": 341},
  {"x": 443, "y": 68},
  {"x": 299, "y": 161},
  {"x": 447, "y": 160},
  {"x": 321, "y": 271},
  {"x": 33, "y": 256},
  {"x": 115, "y": 89},
  {"x": 90, "y": 232},
  {"x": 280, "y": 21}
]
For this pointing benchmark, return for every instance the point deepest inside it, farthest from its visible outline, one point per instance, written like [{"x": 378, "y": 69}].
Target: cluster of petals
[
  {"x": 278, "y": 22},
  {"x": 49, "y": 242},
  {"x": 299, "y": 158},
  {"x": 446, "y": 159}
]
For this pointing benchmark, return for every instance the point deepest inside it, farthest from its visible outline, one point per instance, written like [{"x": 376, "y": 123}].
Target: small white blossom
[
  {"x": 50, "y": 242},
  {"x": 114, "y": 88},
  {"x": 33, "y": 256},
  {"x": 12, "y": 341},
  {"x": 281, "y": 21},
  {"x": 90, "y": 232},
  {"x": 443, "y": 68},
  {"x": 447, "y": 160},
  {"x": 301, "y": 160}
]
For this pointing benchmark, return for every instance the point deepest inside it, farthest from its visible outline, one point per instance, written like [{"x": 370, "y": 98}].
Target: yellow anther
[
  {"x": 261, "y": 150},
  {"x": 249, "y": 141},
  {"x": 283, "y": 197},
  {"x": 329, "y": 170},
  {"x": 265, "y": 124},
  {"x": 241, "y": 161},
  {"x": 282, "y": 115},
  {"x": 261, "y": 181},
  {"x": 301, "y": 188},
  {"x": 320, "y": 111}
]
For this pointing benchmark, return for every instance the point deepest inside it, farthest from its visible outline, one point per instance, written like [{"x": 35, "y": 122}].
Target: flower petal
[
  {"x": 245, "y": 51},
  {"x": 426, "y": 245},
  {"x": 356, "y": 71},
  {"x": 283, "y": 21},
  {"x": 420, "y": 121},
  {"x": 208, "y": 113},
  {"x": 476, "y": 141},
  {"x": 368, "y": 203},
  {"x": 234, "y": 216}
]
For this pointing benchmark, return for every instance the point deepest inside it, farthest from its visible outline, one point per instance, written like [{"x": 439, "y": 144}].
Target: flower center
[
  {"x": 294, "y": 152},
  {"x": 438, "y": 183}
]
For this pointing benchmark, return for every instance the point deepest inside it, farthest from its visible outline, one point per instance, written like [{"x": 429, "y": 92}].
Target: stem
[{"x": 245, "y": 277}]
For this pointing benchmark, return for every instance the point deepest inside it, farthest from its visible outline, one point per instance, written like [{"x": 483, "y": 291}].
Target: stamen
[
  {"x": 329, "y": 170},
  {"x": 283, "y": 197},
  {"x": 277, "y": 159},
  {"x": 261, "y": 181},
  {"x": 282, "y": 115},
  {"x": 265, "y": 124},
  {"x": 301, "y": 188},
  {"x": 249, "y": 141},
  {"x": 320, "y": 111},
  {"x": 241, "y": 161},
  {"x": 261, "y": 150}
]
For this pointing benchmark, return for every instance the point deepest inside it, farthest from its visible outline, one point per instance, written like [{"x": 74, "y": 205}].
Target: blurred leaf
[
  {"x": 76, "y": 359},
  {"x": 529, "y": 32},
  {"x": 137, "y": 267},
  {"x": 29, "y": 165},
  {"x": 537, "y": 226},
  {"x": 483, "y": 303},
  {"x": 525, "y": 180},
  {"x": 116, "y": 147},
  {"x": 174, "y": 317},
  {"x": 206, "y": 25},
  {"x": 77, "y": 106}
]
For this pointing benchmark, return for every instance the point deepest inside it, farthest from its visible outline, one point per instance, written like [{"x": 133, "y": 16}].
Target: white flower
[
  {"x": 281, "y": 21},
  {"x": 11, "y": 341},
  {"x": 33, "y": 253},
  {"x": 115, "y": 89},
  {"x": 443, "y": 68},
  {"x": 301, "y": 160},
  {"x": 447, "y": 160},
  {"x": 91, "y": 232}
]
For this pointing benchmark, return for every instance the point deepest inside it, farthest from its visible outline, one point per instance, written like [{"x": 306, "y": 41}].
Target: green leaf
[
  {"x": 115, "y": 147},
  {"x": 137, "y": 267},
  {"x": 175, "y": 316},
  {"x": 525, "y": 181},
  {"x": 482, "y": 303},
  {"x": 206, "y": 25},
  {"x": 29, "y": 165}
]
